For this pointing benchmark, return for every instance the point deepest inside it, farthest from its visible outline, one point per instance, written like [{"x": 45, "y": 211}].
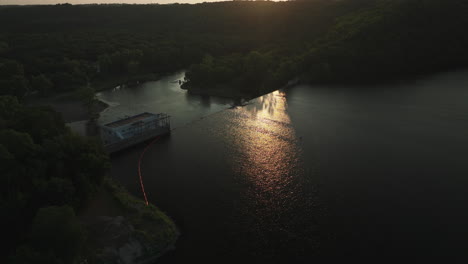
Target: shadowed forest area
[
  {"x": 48, "y": 173},
  {"x": 53, "y": 184},
  {"x": 254, "y": 47}
]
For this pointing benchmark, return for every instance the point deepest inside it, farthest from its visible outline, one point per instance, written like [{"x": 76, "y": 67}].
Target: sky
[{"x": 50, "y": 2}]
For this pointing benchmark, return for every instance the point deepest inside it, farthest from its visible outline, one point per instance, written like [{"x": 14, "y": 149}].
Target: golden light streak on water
[
  {"x": 268, "y": 143},
  {"x": 268, "y": 166}
]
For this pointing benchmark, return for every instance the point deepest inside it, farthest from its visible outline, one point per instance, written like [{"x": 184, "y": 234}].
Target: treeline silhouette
[
  {"x": 252, "y": 46},
  {"x": 52, "y": 49},
  {"x": 392, "y": 39},
  {"x": 378, "y": 41}
]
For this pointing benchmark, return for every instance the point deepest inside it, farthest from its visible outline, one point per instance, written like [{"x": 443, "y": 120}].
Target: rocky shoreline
[{"x": 124, "y": 229}]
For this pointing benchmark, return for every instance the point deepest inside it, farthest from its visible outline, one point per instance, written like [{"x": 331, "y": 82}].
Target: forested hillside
[
  {"x": 385, "y": 40},
  {"x": 59, "y": 48},
  {"x": 254, "y": 47},
  {"x": 249, "y": 48},
  {"x": 392, "y": 40}
]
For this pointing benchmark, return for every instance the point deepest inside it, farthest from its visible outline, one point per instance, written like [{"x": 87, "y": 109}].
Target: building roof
[{"x": 129, "y": 120}]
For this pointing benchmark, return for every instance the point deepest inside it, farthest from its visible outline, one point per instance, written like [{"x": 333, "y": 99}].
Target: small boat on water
[{"x": 133, "y": 130}]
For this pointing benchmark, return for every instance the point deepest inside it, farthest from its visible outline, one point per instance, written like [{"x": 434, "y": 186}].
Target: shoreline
[
  {"x": 74, "y": 109},
  {"x": 68, "y": 105},
  {"x": 123, "y": 229},
  {"x": 145, "y": 233}
]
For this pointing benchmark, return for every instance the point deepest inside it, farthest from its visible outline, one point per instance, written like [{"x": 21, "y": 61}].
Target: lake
[
  {"x": 308, "y": 172},
  {"x": 164, "y": 95}
]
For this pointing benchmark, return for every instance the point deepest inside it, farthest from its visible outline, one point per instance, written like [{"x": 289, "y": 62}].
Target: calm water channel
[
  {"x": 308, "y": 172},
  {"x": 165, "y": 96}
]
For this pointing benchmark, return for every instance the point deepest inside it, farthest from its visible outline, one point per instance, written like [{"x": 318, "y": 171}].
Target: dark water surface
[
  {"x": 163, "y": 95},
  {"x": 312, "y": 172}
]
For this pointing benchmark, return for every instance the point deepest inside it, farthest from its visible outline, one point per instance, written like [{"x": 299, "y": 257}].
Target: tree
[
  {"x": 56, "y": 237},
  {"x": 133, "y": 67},
  {"x": 9, "y": 107},
  {"x": 12, "y": 80},
  {"x": 10, "y": 68},
  {"x": 42, "y": 84},
  {"x": 3, "y": 47}
]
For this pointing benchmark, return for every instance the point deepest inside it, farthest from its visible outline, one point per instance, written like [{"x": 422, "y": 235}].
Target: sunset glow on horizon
[{"x": 78, "y": 2}]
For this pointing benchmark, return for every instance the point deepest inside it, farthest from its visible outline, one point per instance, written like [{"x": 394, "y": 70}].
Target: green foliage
[
  {"x": 39, "y": 122},
  {"x": 75, "y": 45},
  {"x": 9, "y": 107},
  {"x": 56, "y": 237},
  {"x": 25, "y": 255},
  {"x": 320, "y": 40},
  {"x": 57, "y": 229},
  {"x": 391, "y": 40},
  {"x": 121, "y": 62},
  {"x": 254, "y": 47},
  {"x": 42, "y": 84},
  {"x": 12, "y": 79},
  {"x": 10, "y": 68},
  {"x": 43, "y": 164},
  {"x": 151, "y": 223},
  {"x": 254, "y": 73},
  {"x": 3, "y": 47},
  {"x": 377, "y": 41},
  {"x": 87, "y": 95}
]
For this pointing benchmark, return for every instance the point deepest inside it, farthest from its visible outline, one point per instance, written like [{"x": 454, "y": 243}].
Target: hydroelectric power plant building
[{"x": 132, "y": 130}]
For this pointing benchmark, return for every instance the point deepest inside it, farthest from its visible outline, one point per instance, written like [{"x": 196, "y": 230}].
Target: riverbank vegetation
[
  {"x": 378, "y": 41},
  {"x": 234, "y": 48},
  {"x": 250, "y": 47},
  {"x": 49, "y": 176}
]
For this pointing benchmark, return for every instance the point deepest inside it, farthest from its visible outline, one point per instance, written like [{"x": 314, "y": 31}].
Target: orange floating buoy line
[{"x": 139, "y": 168}]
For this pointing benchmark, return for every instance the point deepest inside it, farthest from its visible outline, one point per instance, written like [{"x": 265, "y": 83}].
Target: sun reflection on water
[
  {"x": 267, "y": 141},
  {"x": 268, "y": 166}
]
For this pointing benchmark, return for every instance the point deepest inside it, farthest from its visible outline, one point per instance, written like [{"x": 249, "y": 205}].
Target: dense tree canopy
[
  {"x": 43, "y": 164},
  {"x": 56, "y": 238},
  {"x": 382, "y": 40},
  {"x": 47, "y": 172},
  {"x": 252, "y": 44},
  {"x": 63, "y": 47},
  {"x": 392, "y": 40}
]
